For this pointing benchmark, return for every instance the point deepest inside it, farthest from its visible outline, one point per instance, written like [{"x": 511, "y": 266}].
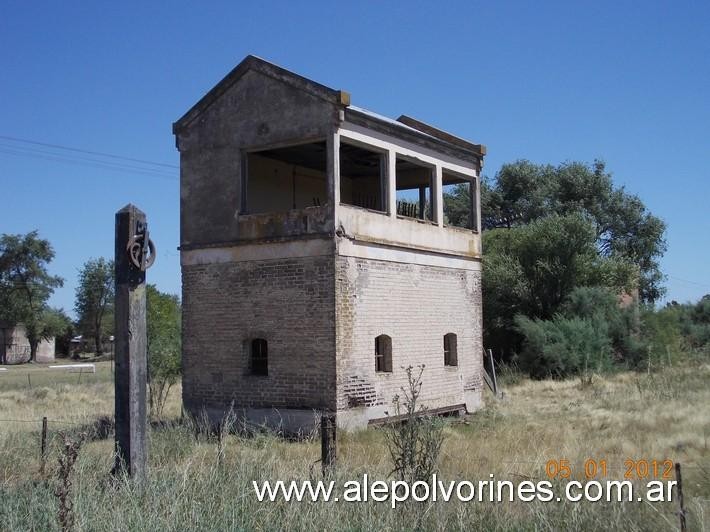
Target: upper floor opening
[
  {"x": 370, "y": 177},
  {"x": 363, "y": 176},
  {"x": 286, "y": 178},
  {"x": 270, "y": 154},
  {"x": 382, "y": 190}
]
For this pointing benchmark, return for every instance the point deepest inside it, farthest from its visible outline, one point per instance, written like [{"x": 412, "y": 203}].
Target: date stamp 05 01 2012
[{"x": 591, "y": 469}]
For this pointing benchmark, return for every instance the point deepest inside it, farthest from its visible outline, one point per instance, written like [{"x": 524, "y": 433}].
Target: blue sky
[{"x": 627, "y": 82}]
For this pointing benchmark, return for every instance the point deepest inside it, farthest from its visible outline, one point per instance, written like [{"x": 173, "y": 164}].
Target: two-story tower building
[{"x": 324, "y": 248}]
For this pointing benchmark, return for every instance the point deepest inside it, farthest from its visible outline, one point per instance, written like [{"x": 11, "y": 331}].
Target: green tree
[
  {"x": 26, "y": 285},
  {"x": 95, "y": 298},
  {"x": 531, "y": 269},
  {"x": 164, "y": 345},
  {"x": 54, "y": 323},
  {"x": 457, "y": 205},
  {"x": 63, "y": 338},
  {"x": 523, "y": 191}
]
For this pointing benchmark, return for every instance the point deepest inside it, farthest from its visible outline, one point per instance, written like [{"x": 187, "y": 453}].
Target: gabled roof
[
  {"x": 257, "y": 64},
  {"x": 404, "y": 126}
]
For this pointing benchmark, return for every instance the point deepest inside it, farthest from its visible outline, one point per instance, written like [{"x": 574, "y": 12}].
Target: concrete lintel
[
  {"x": 371, "y": 250},
  {"x": 479, "y": 149},
  {"x": 411, "y": 234},
  {"x": 265, "y": 251},
  {"x": 411, "y": 135},
  {"x": 430, "y": 156}
]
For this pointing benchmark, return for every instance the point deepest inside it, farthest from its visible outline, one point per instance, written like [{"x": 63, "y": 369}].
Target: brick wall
[
  {"x": 290, "y": 303},
  {"x": 416, "y": 306}
]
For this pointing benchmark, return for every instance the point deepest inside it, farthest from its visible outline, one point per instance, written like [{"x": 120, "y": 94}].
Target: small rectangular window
[
  {"x": 450, "y": 350},
  {"x": 259, "y": 357},
  {"x": 383, "y": 354}
]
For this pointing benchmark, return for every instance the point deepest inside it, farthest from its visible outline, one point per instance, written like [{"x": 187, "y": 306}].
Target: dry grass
[{"x": 628, "y": 415}]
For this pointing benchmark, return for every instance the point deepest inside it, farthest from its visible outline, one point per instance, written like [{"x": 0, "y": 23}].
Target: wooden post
[
  {"x": 130, "y": 374},
  {"x": 43, "y": 447},
  {"x": 328, "y": 442},
  {"x": 29, "y": 381},
  {"x": 220, "y": 444},
  {"x": 422, "y": 203},
  {"x": 493, "y": 372},
  {"x": 681, "y": 513}
]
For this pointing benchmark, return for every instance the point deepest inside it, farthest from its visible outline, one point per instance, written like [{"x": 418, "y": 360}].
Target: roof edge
[
  {"x": 466, "y": 151},
  {"x": 252, "y": 62},
  {"x": 480, "y": 149}
]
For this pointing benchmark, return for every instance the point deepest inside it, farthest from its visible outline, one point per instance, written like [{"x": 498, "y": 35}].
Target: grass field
[{"x": 664, "y": 414}]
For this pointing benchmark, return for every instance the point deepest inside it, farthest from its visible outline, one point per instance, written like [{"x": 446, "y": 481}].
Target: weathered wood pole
[
  {"x": 493, "y": 372},
  {"x": 681, "y": 505},
  {"x": 328, "y": 441},
  {"x": 43, "y": 447},
  {"x": 130, "y": 355}
]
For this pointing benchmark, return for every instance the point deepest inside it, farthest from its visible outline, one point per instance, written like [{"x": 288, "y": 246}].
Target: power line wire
[
  {"x": 100, "y": 165},
  {"x": 90, "y": 152},
  {"x": 50, "y": 155},
  {"x": 689, "y": 282},
  {"x": 32, "y": 150}
]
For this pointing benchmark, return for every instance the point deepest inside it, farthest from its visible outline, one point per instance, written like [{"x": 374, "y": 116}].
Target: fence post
[
  {"x": 681, "y": 513},
  {"x": 43, "y": 447},
  {"x": 328, "y": 442},
  {"x": 493, "y": 372},
  {"x": 29, "y": 381},
  {"x": 220, "y": 444}
]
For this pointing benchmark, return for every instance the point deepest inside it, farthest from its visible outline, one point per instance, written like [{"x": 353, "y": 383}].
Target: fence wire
[{"x": 53, "y": 421}]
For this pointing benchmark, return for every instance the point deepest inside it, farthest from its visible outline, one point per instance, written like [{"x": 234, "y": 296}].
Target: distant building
[
  {"x": 15, "y": 347},
  {"x": 318, "y": 260},
  {"x": 87, "y": 344}
]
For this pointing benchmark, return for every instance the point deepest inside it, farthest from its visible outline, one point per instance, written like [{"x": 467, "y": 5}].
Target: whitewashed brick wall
[{"x": 416, "y": 306}]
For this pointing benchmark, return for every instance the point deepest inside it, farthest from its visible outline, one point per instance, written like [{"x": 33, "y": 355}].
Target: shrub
[
  {"x": 601, "y": 306},
  {"x": 696, "y": 324},
  {"x": 63, "y": 490},
  {"x": 676, "y": 331},
  {"x": 564, "y": 346},
  {"x": 414, "y": 443},
  {"x": 164, "y": 346},
  {"x": 661, "y": 332}
]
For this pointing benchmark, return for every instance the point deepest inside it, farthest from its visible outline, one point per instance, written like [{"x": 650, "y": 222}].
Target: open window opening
[
  {"x": 450, "y": 350},
  {"x": 282, "y": 179},
  {"x": 414, "y": 189},
  {"x": 259, "y": 357},
  {"x": 383, "y": 354},
  {"x": 459, "y": 196},
  {"x": 362, "y": 177}
]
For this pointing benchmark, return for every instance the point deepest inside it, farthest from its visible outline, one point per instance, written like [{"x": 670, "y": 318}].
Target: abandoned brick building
[{"x": 318, "y": 258}]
